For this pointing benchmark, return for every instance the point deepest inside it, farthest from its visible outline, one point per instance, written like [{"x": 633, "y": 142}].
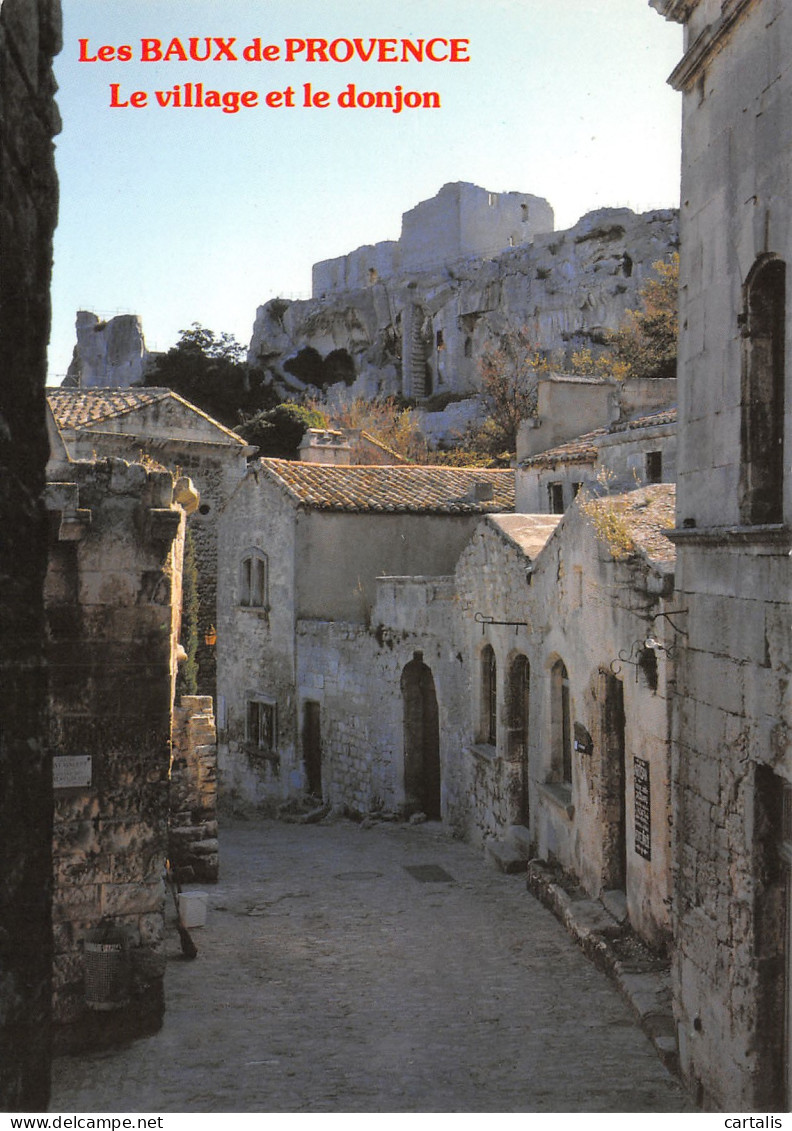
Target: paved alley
[{"x": 385, "y": 969}]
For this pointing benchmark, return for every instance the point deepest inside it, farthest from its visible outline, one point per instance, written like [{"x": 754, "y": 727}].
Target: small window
[
  {"x": 576, "y": 488},
  {"x": 253, "y": 580},
  {"x": 468, "y": 346},
  {"x": 489, "y": 696},
  {"x": 560, "y": 723},
  {"x": 654, "y": 467},
  {"x": 439, "y": 340},
  {"x": 492, "y": 199},
  {"x": 555, "y": 492},
  {"x": 260, "y": 725}
]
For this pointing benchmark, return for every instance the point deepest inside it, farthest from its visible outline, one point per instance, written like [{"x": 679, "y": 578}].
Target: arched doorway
[{"x": 421, "y": 739}]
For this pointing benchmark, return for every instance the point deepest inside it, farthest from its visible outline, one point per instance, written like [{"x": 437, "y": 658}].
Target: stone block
[
  {"x": 505, "y": 858},
  {"x": 132, "y": 899}
]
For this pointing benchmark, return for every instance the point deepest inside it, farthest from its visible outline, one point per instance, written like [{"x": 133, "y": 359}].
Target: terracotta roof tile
[
  {"x": 583, "y": 449},
  {"x": 78, "y": 408},
  {"x": 394, "y": 489},
  {"x": 667, "y": 416},
  {"x": 84, "y": 408}
]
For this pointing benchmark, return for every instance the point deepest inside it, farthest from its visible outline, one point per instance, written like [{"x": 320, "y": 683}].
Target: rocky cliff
[
  {"x": 109, "y": 354},
  {"x": 423, "y": 332}
]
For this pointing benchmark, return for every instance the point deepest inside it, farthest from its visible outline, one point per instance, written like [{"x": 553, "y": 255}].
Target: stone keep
[{"x": 732, "y": 714}]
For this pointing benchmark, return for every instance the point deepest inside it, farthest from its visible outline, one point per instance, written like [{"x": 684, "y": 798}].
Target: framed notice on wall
[
  {"x": 71, "y": 771},
  {"x": 643, "y": 818}
]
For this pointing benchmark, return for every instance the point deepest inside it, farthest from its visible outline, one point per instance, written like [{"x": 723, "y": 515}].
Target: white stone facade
[{"x": 733, "y": 717}]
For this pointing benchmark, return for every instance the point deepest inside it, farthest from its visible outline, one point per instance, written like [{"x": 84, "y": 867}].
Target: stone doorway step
[{"x": 601, "y": 929}]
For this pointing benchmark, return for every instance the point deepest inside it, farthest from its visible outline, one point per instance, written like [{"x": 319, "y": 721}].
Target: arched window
[
  {"x": 762, "y": 425},
  {"x": 561, "y": 738},
  {"x": 517, "y": 704},
  {"x": 253, "y": 580},
  {"x": 518, "y": 686},
  {"x": 489, "y": 696}
]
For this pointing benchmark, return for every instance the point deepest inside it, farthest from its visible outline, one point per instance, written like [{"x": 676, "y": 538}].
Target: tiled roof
[
  {"x": 583, "y": 449},
  {"x": 654, "y": 419},
  {"x": 79, "y": 408},
  {"x": 84, "y": 408},
  {"x": 394, "y": 490}
]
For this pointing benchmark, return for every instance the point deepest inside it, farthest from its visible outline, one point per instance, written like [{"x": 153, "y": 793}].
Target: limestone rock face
[
  {"x": 108, "y": 354},
  {"x": 423, "y": 331}
]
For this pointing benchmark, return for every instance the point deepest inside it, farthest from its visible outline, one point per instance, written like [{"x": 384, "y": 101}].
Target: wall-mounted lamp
[
  {"x": 643, "y": 653},
  {"x": 210, "y": 637}
]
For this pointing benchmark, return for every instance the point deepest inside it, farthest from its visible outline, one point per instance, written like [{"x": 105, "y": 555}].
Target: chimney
[
  {"x": 482, "y": 491},
  {"x": 321, "y": 445}
]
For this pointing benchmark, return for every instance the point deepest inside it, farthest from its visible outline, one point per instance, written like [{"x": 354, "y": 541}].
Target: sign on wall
[
  {"x": 71, "y": 771},
  {"x": 643, "y": 817}
]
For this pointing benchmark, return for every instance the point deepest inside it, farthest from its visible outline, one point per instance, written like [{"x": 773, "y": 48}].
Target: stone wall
[
  {"x": 194, "y": 849},
  {"x": 113, "y": 596},
  {"x": 30, "y": 34},
  {"x": 183, "y": 439},
  {"x": 733, "y": 718},
  {"x": 354, "y": 673}
]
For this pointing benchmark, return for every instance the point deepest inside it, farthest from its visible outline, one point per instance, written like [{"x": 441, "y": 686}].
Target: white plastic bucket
[{"x": 192, "y": 908}]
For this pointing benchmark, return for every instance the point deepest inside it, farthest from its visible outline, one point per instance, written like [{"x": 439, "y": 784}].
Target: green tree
[
  {"x": 645, "y": 345},
  {"x": 278, "y": 431},
  {"x": 510, "y": 371},
  {"x": 209, "y": 370},
  {"x": 647, "y": 339},
  {"x": 384, "y": 418}
]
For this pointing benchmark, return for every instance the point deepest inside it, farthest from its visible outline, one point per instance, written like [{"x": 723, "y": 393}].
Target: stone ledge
[
  {"x": 642, "y": 977},
  {"x": 506, "y": 858},
  {"x": 559, "y": 795},
  {"x": 484, "y": 752}
]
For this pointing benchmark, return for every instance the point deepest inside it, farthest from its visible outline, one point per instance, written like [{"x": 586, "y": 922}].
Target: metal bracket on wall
[{"x": 483, "y": 620}]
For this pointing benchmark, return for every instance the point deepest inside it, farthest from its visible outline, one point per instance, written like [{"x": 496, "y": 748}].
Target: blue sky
[{"x": 184, "y": 215}]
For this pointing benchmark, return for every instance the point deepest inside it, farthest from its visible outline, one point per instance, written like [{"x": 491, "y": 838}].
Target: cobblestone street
[{"x": 331, "y": 978}]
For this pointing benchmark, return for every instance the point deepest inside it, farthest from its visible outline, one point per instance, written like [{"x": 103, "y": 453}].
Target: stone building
[
  {"x": 304, "y": 545},
  {"x": 157, "y": 424},
  {"x": 733, "y": 714},
  {"x": 113, "y": 603},
  {"x": 415, "y": 316},
  {"x": 30, "y": 34},
  {"x": 568, "y": 658},
  {"x": 622, "y": 456}
]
